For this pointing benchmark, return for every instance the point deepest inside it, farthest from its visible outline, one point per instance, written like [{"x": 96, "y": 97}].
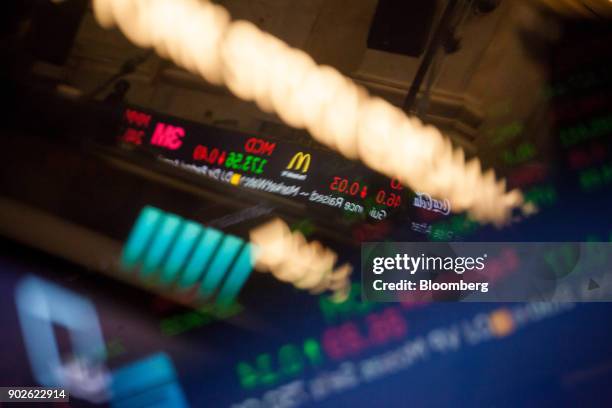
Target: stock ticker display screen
[
  {"x": 286, "y": 348},
  {"x": 317, "y": 177}
]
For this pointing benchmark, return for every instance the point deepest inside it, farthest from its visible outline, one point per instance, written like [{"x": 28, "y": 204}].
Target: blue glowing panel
[
  {"x": 188, "y": 254},
  {"x": 187, "y": 238},
  {"x": 238, "y": 275},
  {"x": 162, "y": 241},
  {"x": 201, "y": 257},
  {"x": 140, "y": 236},
  {"x": 221, "y": 262},
  {"x": 166, "y": 396},
  {"x": 150, "y": 382},
  {"x": 40, "y": 305}
]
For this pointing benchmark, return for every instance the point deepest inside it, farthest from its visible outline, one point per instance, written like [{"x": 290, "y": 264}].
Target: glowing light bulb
[
  {"x": 258, "y": 67},
  {"x": 290, "y": 258}
]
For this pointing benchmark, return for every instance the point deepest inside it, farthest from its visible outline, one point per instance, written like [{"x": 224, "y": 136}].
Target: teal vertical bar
[
  {"x": 223, "y": 259},
  {"x": 139, "y": 236},
  {"x": 201, "y": 255},
  {"x": 238, "y": 275},
  {"x": 181, "y": 249},
  {"x": 161, "y": 243}
]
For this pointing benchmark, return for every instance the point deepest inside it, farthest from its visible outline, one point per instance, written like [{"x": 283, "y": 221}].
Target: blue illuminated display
[
  {"x": 40, "y": 306},
  {"x": 201, "y": 257},
  {"x": 220, "y": 264},
  {"x": 140, "y": 236},
  {"x": 239, "y": 274},
  {"x": 185, "y": 242},
  {"x": 161, "y": 243},
  {"x": 149, "y": 382},
  {"x": 168, "y": 249}
]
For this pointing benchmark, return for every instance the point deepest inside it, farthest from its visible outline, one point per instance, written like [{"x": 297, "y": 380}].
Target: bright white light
[
  {"x": 256, "y": 66},
  {"x": 290, "y": 258}
]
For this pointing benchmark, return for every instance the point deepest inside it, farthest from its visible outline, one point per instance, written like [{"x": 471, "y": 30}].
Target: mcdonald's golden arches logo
[{"x": 300, "y": 161}]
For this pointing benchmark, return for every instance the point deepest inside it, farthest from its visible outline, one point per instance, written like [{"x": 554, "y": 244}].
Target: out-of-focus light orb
[{"x": 291, "y": 258}]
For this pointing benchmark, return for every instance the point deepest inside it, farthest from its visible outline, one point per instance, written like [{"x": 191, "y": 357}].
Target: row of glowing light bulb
[{"x": 255, "y": 66}]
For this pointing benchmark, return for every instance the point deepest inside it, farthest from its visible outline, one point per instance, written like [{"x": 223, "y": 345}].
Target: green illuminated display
[
  {"x": 202, "y": 316},
  {"x": 290, "y": 361},
  {"x": 242, "y": 162},
  {"x": 544, "y": 195},
  {"x": 460, "y": 226},
  {"x": 524, "y": 152},
  {"x": 595, "y": 178},
  {"x": 352, "y": 306}
]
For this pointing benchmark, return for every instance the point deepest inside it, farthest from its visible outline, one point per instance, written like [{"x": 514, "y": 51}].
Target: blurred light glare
[
  {"x": 291, "y": 258},
  {"x": 42, "y": 305},
  {"x": 256, "y": 66}
]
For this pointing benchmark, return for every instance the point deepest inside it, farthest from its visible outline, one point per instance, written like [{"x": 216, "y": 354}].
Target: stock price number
[
  {"x": 343, "y": 185},
  {"x": 350, "y": 339},
  {"x": 289, "y": 361},
  {"x": 214, "y": 156},
  {"x": 392, "y": 200},
  {"x": 239, "y": 161}
]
